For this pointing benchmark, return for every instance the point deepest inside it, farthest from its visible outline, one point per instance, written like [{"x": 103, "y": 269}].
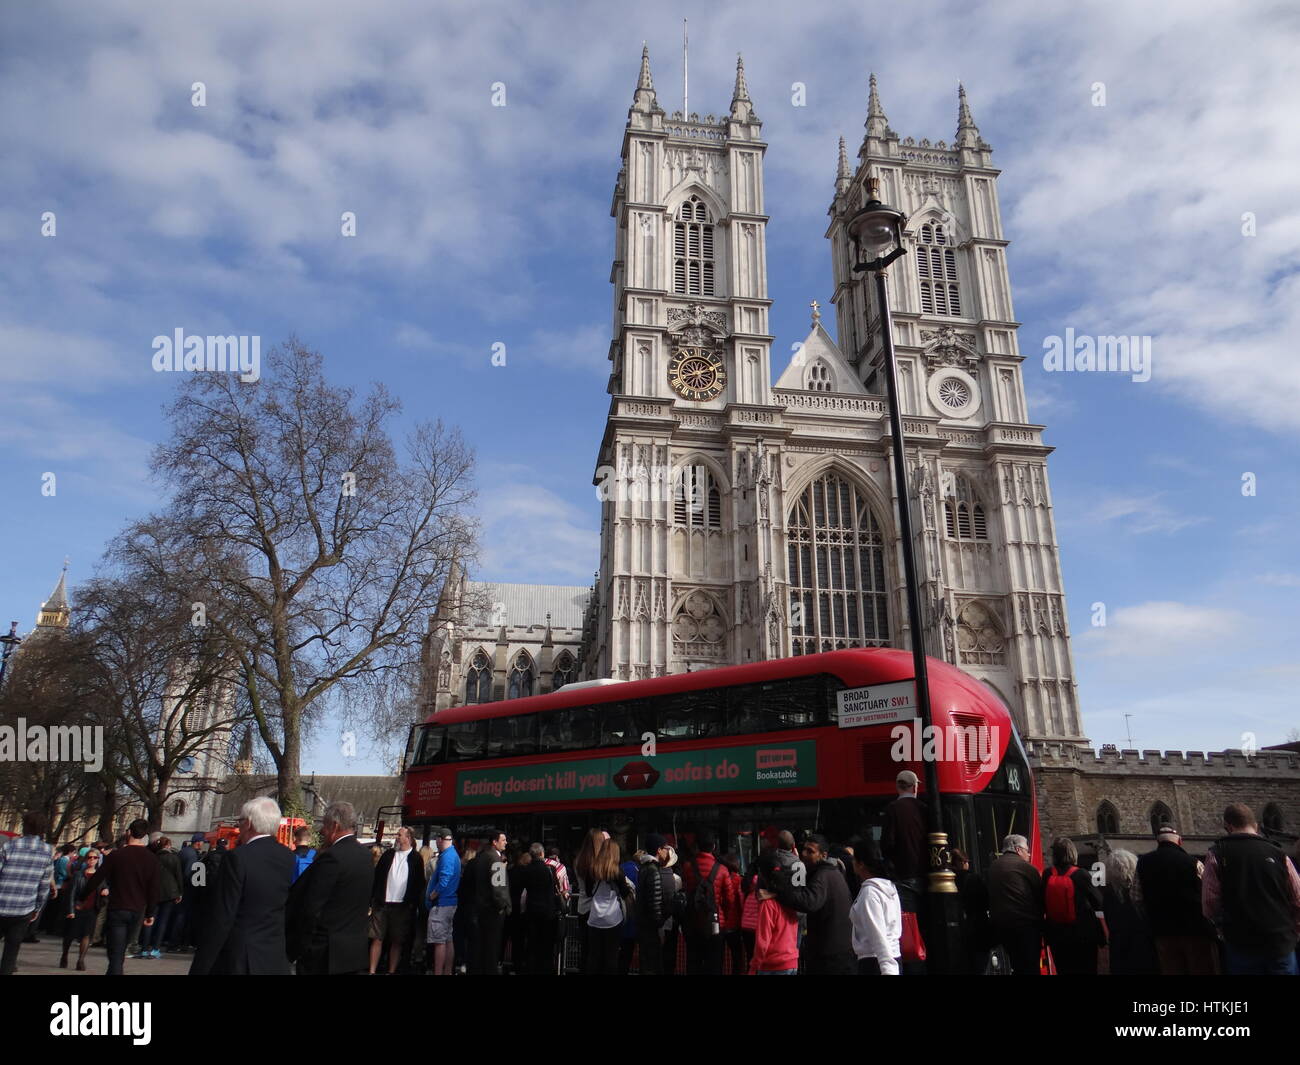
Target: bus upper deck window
[
  {"x": 430, "y": 751},
  {"x": 616, "y": 726},
  {"x": 465, "y": 740}
]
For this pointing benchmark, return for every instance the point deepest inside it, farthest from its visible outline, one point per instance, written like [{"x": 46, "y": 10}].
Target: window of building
[
  {"x": 1273, "y": 823},
  {"x": 964, "y": 517},
  {"x": 819, "y": 378},
  {"x": 519, "y": 682},
  {"x": 838, "y": 596},
  {"x": 565, "y": 672},
  {"x": 1160, "y": 815},
  {"x": 178, "y": 808},
  {"x": 1107, "y": 820},
  {"x": 697, "y": 503},
  {"x": 936, "y": 269},
  {"x": 478, "y": 680},
  {"x": 693, "y": 262}
]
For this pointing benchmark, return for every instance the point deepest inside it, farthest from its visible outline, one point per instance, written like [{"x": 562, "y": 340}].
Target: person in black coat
[
  {"x": 541, "y": 894},
  {"x": 491, "y": 894},
  {"x": 243, "y": 926},
  {"x": 1074, "y": 944},
  {"x": 394, "y": 920},
  {"x": 329, "y": 905},
  {"x": 1132, "y": 951},
  {"x": 828, "y": 948}
]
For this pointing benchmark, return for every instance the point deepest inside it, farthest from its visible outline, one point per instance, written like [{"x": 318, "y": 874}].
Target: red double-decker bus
[{"x": 812, "y": 743}]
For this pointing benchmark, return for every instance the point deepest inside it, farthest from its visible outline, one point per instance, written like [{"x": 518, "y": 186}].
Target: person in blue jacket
[{"x": 442, "y": 898}]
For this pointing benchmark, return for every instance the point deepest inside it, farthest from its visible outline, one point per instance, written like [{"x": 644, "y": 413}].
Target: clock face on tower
[{"x": 697, "y": 373}]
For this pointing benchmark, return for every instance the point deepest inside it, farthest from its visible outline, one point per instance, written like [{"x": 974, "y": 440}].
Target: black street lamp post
[
  {"x": 875, "y": 233},
  {"x": 11, "y": 642}
]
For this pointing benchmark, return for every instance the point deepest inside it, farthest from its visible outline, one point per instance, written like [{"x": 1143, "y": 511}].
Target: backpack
[
  {"x": 300, "y": 863},
  {"x": 606, "y": 907},
  {"x": 702, "y": 908},
  {"x": 1059, "y": 900}
]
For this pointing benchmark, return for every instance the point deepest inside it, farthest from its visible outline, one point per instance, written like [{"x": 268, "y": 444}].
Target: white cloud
[
  {"x": 1161, "y": 629},
  {"x": 1281, "y": 580},
  {"x": 1143, "y": 514},
  {"x": 531, "y": 534}
]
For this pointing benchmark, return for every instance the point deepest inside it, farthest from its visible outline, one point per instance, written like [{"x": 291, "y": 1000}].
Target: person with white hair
[
  {"x": 1132, "y": 951},
  {"x": 1016, "y": 905},
  {"x": 243, "y": 922}
]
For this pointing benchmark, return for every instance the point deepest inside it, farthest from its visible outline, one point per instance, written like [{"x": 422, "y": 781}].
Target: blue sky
[{"x": 479, "y": 225}]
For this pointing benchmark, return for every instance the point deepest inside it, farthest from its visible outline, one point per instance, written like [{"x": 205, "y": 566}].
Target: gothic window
[
  {"x": 697, "y": 503},
  {"x": 565, "y": 671},
  {"x": 478, "y": 680},
  {"x": 838, "y": 595},
  {"x": 964, "y": 516},
  {"x": 819, "y": 378},
  {"x": 178, "y": 808},
  {"x": 936, "y": 269},
  {"x": 1273, "y": 823},
  {"x": 1160, "y": 815},
  {"x": 519, "y": 682},
  {"x": 699, "y": 631},
  {"x": 1107, "y": 820},
  {"x": 979, "y": 636},
  {"x": 693, "y": 262}
]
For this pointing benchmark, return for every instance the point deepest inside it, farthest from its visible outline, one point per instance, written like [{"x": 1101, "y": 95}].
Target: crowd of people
[{"x": 335, "y": 906}]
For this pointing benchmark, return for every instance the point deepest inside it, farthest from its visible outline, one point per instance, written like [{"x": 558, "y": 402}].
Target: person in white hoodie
[{"x": 876, "y": 914}]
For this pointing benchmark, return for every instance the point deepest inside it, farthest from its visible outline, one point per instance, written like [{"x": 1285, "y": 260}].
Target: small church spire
[
  {"x": 644, "y": 99},
  {"x": 877, "y": 124},
  {"x": 968, "y": 134},
  {"x": 742, "y": 108},
  {"x": 843, "y": 178},
  {"x": 55, "y": 611}
]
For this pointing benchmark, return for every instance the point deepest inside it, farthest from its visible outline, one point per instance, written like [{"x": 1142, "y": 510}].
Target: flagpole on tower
[{"x": 686, "y": 97}]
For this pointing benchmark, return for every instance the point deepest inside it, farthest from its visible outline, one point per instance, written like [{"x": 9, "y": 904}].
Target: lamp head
[{"x": 875, "y": 231}]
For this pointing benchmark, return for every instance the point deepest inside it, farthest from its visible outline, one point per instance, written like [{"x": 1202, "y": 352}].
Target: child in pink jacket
[{"x": 776, "y": 939}]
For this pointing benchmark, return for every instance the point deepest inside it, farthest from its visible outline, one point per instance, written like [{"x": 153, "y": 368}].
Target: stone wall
[{"x": 1073, "y": 782}]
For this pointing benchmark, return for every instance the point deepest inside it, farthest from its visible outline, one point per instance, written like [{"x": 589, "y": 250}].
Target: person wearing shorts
[{"x": 442, "y": 897}]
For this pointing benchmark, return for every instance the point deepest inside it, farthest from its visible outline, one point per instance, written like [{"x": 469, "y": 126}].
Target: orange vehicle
[{"x": 228, "y": 829}]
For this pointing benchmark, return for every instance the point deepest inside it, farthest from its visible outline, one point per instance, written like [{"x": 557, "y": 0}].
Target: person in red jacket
[
  {"x": 704, "y": 942},
  {"x": 732, "y": 941},
  {"x": 776, "y": 937}
]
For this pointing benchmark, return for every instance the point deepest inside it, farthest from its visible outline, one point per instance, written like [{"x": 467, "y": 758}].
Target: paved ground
[{"x": 42, "y": 959}]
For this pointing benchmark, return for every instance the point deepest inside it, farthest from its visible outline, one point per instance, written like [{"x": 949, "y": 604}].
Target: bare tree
[
  {"x": 47, "y": 685},
  {"x": 316, "y": 554},
  {"x": 165, "y": 686}
]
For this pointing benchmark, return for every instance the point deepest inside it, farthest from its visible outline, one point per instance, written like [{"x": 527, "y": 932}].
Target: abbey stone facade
[{"x": 744, "y": 520}]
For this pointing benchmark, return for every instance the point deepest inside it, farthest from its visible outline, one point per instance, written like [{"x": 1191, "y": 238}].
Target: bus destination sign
[
  {"x": 880, "y": 704},
  {"x": 756, "y": 767}
]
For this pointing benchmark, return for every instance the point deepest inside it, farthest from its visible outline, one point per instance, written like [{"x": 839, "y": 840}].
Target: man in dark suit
[
  {"x": 329, "y": 905},
  {"x": 243, "y": 923}
]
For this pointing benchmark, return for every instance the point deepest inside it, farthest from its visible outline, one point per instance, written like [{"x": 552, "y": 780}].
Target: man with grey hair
[
  {"x": 243, "y": 925},
  {"x": 329, "y": 905},
  {"x": 1016, "y": 905}
]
